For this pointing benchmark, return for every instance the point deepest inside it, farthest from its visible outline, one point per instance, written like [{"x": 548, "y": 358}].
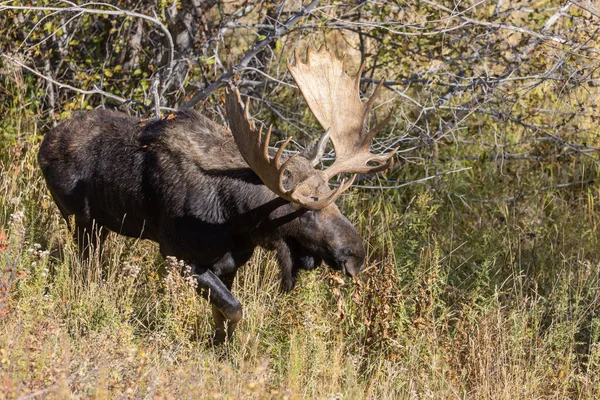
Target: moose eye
[
  {"x": 347, "y": 253},
  {"x": 288, "y": 180}
]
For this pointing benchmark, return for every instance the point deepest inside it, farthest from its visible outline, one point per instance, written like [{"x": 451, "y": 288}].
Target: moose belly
[
  {"x": 123, "y": 212},
  {"x": 127, "y": 224},
  {"x": 206, "y": 244}
]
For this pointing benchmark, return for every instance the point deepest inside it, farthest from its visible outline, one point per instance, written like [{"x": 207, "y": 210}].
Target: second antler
[{"x": 333, "y": 97}]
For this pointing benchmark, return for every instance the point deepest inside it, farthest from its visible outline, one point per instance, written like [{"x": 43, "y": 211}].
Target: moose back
[{"x": 210, "y": 196}]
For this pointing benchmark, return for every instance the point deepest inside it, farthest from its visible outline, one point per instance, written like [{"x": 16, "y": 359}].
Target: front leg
[
  {"x": 292, "y": 257},
  {"x": 224, "y": 326},
  {"x": 226, "y": 309}
]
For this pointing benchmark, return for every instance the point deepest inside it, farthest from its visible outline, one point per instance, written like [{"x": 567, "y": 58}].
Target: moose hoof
[{"x": 220, "y": 337}]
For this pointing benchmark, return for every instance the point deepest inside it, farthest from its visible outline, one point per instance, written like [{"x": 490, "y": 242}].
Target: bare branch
[
  {"x": 75, "y": 89},
  {"x": 403, "y": 184},
  {"x": 83, "y": 9},
  {"x": 256, "y": 48},
  {"x": 532, "y": 192},
  {"x": 589, "y": 9},
  {"x": 540, "y": 36}
]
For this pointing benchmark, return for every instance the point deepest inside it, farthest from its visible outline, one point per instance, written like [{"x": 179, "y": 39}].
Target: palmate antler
[{"x": 333, "y": 97}]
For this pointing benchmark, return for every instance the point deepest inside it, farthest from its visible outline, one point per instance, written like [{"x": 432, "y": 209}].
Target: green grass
[{"x": 461, "y": 298}]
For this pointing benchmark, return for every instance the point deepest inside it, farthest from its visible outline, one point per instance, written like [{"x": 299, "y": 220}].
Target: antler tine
[
  {"x": 359, "y": 164},
  {"x": 374, "y": 95},
  {"x": 384, "y": 161},
  {"x": 265, "y": 144},
  {"x": 373, "y": 132},
  {"x": 247, "y": 117},
  {"x": 282, "y": 172},
  {"x": 280, "y": 152},
  {"x": 358, "y": 75},
  {"x": 368, "y": 108}
]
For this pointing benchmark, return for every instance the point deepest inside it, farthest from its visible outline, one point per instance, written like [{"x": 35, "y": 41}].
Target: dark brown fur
[{"x": 182, "y": 182}]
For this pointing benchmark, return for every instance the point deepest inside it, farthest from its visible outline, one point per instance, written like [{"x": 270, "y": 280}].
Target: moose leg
[
  {"x": 227, "y": 310},
  {"x": 292, "y": 258},
  {"x": 224, "y": 326}
]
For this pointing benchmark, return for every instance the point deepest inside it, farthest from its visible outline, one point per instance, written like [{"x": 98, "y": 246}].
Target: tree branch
[
  {"x": 273, "y": 35},
  {"x": 540, "y": 36},
  {"x": 73, "y": 88},
  {"x": 82, "y": 9},
  {"x": 403, "y": 184},
  {"x": 586, "y": 8}
]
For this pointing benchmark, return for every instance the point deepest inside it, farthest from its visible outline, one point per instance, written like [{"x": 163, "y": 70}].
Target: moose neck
[{"x": 260, "y": 212}]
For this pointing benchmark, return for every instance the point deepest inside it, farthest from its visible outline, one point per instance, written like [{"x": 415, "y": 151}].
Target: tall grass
[{"x": 465, "y": 295}]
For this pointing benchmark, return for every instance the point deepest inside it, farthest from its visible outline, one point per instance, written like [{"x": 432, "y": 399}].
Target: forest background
[{"x": 482, "y": 277}]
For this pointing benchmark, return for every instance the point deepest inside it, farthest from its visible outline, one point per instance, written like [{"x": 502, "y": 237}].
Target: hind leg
[
  {"x": 87, "y": 232},
  {"x": 73, "y": 205}
]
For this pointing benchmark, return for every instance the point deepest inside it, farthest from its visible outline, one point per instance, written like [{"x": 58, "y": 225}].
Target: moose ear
[{"x": 310, "y": 217}]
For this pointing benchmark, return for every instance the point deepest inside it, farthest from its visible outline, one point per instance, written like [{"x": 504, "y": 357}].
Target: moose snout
[{"x": 352, "y": 267}]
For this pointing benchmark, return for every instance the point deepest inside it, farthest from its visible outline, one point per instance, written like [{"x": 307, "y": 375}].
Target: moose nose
[{"x": 353, "y": 268}]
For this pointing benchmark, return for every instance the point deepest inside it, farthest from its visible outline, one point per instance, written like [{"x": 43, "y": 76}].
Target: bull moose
[{"x": 209, "y": 196}]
